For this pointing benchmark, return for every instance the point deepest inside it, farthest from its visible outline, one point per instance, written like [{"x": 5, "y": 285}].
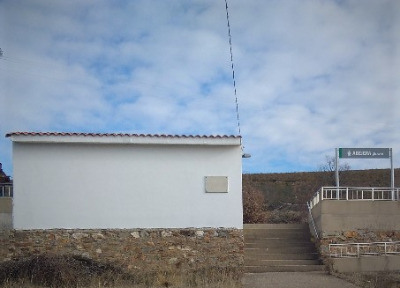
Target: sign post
[
  {"x": 392, "y": 169},
  {"x": 337, "y": 167},
  {"x": 366, "y": 153}
]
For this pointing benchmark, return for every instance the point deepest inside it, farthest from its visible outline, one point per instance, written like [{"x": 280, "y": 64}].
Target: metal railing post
[
  {"x": 312, "y": 222},
  {"x": 365, "y": 249},
  {"x": 6, "y": 190},
  {"x": 356, "y": 193}
]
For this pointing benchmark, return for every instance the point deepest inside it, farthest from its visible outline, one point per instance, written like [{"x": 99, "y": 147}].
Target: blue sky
[{"x": 311, "y": 75}]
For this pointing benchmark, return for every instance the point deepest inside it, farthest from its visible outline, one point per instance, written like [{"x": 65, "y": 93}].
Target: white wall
[{"x": 69, "y": 185}]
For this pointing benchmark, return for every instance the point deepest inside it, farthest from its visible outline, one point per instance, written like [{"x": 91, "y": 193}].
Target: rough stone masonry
[{"x": 132, "y": 249}]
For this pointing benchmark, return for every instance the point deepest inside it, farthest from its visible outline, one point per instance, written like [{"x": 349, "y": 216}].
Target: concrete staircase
[{"x": 279, "y": 248}]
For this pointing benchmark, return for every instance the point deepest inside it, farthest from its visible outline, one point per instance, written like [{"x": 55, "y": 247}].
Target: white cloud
[{"x": 311, "y": 75}]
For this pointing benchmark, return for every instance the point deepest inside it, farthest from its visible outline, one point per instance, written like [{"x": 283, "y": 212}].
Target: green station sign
[{"x": 378, "y": 153}]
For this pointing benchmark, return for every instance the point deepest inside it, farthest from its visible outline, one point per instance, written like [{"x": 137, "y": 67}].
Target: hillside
[{"x": 291, "y": 191}]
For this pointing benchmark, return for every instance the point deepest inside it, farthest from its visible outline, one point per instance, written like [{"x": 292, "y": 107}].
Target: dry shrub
[
  {"x": 215, "y": 277},
  {"x": 285, "y": 216},
  {"x": 56, "y": 271},
  {"x": 253, "y": 205},
  {"x": 288, "y": 213},
  {"x": 75, "y": 271}
]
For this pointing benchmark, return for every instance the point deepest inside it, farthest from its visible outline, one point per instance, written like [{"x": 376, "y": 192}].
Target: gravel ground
[{"x": 294, "y": 280}]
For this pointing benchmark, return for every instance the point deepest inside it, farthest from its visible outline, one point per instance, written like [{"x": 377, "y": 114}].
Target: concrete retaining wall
[
  {"x": 332, "y": 216},
  {"x": 366, "y": 264},
  {"x": 339, "y": 221},
  {"x": 133, "y": 249}
]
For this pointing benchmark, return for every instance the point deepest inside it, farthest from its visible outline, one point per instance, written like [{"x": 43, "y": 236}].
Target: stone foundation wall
[
  {"x": 355, "y": 236},
  {"x": 363, "y": 263},
  {"x": 132, "y": 249}
]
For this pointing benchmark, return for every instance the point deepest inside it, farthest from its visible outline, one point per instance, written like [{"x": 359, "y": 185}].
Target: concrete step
[
  {"x": 262, "y": 238},
  {"x": 277, "y": 250},
  {"x": 281, "y": 234},
  {"x": 247, "y": 227},
  {"x": 283, "y": 268},
  {"x": 280, "y": 256},
  {"x": 278, "y": 243},
  {"x": 280, "y": 248},
  {"x": 255, "y": 262}
]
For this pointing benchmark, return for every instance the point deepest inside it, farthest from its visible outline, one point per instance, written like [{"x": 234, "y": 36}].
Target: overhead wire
[{"x": 233, "y": 68}]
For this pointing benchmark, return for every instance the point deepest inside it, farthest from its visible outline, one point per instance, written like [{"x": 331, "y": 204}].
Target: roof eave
[{"x": 123, "y": 139}]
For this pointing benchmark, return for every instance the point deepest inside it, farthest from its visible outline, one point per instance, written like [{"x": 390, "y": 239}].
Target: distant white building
[{"x": 91, "y": 180}]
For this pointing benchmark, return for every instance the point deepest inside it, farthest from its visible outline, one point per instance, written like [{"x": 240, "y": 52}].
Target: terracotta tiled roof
[{"x": 115, "y": 135}]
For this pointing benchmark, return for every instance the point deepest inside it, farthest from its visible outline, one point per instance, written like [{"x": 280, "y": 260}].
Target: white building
[{"x": 91, "y": 180}]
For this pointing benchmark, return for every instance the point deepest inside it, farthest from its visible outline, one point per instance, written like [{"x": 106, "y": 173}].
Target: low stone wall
[
  {"x": 363, "y": 263},
  {"x": 355, "y": 236},
  {"x": 133, "y": 249}
]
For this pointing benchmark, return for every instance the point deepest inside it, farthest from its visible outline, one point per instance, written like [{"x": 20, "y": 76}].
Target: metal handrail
[
  {"x": 355, "y": 193},
  {"x": 312, "y": 221},
  {"x": 6, "y": 190},
  {"x": 364, "y": 249}
]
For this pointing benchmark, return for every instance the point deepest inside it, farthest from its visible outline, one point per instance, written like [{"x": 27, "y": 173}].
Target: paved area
[{"x": 294, "y": 280}]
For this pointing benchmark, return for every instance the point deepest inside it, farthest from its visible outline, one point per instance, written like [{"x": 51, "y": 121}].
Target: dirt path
[{"x": 294, "y": 280}]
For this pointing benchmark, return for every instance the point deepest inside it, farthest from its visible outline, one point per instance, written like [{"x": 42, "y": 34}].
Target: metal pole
[
  {"x": 392, "y": 172},
  {"x": 337, "y": 167}
]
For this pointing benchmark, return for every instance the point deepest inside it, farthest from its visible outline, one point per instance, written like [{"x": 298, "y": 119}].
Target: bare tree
[{"x": 329, "y": 167}]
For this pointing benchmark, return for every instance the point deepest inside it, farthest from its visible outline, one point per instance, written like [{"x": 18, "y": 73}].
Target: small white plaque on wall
[{"x": 216, "y": 184}]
